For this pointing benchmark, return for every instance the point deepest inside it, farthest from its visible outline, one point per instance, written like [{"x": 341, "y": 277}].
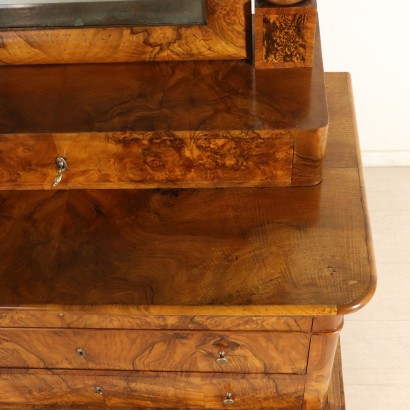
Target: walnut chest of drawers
[{"x": 185, "y": 298}]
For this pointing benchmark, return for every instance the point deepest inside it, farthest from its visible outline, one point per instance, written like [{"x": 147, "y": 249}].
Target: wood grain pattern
[
  {"x": 149, "y": 160},
  {"x": 336, "y": 396},
  {"x": 360, "y": 302},
  {"x": 223, "y": 37},
  {"x": 211, "y": 96},
  {"x": 93, "y": 238},
  {"x": 149, "y": 350},
  {"x": 321, "y": 233},
  {"x": 322, "y": 352},
  {"x": 327, "y": 325},
  {"x": 142, "y": 389},
  {"x": 269, "y": 248},
  {"x": 199, "y": 124},
  {"x": 130, "y": 317},
  {"x": 285, "y": 36}
]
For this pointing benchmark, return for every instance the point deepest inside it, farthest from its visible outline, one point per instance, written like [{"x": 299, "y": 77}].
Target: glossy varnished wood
[
  {"x": 130, "y": 317},
  {"x": 336, "y": 395},
  {"x": 285, "y": 36},
  {"x": 246, "y": 250},
  {"x": 323, "y": 344},
  {"x": 145, "y": 389},
  {"x": 150, "y": 350},
  {"x": 175, "y": 96},
  {"x": 148, "y": 160},
  {"x": 181, "y": 124},
  {"x": 225, "y": 36},
  {"x": 113, "y": 247},
  {"x": 220, "y": 241}
]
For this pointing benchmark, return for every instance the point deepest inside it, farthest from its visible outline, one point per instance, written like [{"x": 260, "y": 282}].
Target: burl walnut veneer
[
  {"x": 224, "y": 36},
  {"x": 162, "y": 124},
  {"x": 285, "y": 34},
  {"x": 182, "y": 298}
]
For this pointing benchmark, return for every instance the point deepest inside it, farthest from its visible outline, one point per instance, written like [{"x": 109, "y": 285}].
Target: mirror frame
[{"x": 227, "y": 35}]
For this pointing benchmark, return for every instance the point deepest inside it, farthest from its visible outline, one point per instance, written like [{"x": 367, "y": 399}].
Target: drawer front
[
  {"x": 146, "y": 160},
  {"x": 234, "y": 352},
  {"x": 159, "y": 390},
  {"x": 27, "y": 162}
]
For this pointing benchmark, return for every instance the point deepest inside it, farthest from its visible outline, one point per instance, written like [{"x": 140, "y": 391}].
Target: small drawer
[
  {"x": 146, "y": 160},
  {"x": 231, "y": 352},
  {"x": 158, "y": 390}
]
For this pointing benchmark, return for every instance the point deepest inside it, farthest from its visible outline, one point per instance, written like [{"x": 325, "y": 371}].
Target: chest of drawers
[{"x": 185, "y": 298}]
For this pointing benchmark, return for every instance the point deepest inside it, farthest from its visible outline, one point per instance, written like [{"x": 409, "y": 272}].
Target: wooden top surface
[
  {"x": 227, "y": 251},
  {"x": 170, "y": 96}
]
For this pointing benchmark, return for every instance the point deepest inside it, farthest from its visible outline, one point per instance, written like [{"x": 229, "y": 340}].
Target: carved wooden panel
[
  {"x": 224, "y": 36},
  {"x": 285, "y": 36}
]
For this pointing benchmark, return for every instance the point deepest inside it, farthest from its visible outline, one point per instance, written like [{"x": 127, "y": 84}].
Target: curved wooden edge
[
  {"x": 327, "y": 325},
  {"x": 336, "y": 396},
  {"x": 359, "y": 303},
  {"x": 309, "y": 151},
  {"x": 276, "y": 310}
]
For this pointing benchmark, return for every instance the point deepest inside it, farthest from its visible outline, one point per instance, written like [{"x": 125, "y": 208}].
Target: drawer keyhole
[
  {"x": 99, "y": 390},
  {"x": 62, "y": 166},
  {"x": 81, "y": 352},
  {"x": 229, "y": 399},
  {"x": 222, "y": 359}
]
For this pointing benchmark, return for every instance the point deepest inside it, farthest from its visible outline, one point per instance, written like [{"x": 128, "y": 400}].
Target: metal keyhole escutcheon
[
  {"x": 80, "y": 351},
  {"x": 222, "y": 359},
  {"x": 229, "y": 399},
  {"x": 62, "y": 166},
  {"x": 99, "y": 389}
]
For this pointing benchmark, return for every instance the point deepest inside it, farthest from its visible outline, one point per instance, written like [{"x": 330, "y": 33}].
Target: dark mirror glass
[{"x": 20, "y": 14}]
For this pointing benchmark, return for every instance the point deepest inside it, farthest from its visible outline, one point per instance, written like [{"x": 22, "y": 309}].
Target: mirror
[{"x": 21, "y": 14}]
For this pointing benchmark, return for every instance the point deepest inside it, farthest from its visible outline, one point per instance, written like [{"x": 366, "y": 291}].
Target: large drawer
[
  {"x": 145, "y": 389},
  {"x": 234, "y": 352}
]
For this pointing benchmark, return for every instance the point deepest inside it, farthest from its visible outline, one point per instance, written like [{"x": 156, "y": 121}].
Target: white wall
[{"x": 371, "y": 40}]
